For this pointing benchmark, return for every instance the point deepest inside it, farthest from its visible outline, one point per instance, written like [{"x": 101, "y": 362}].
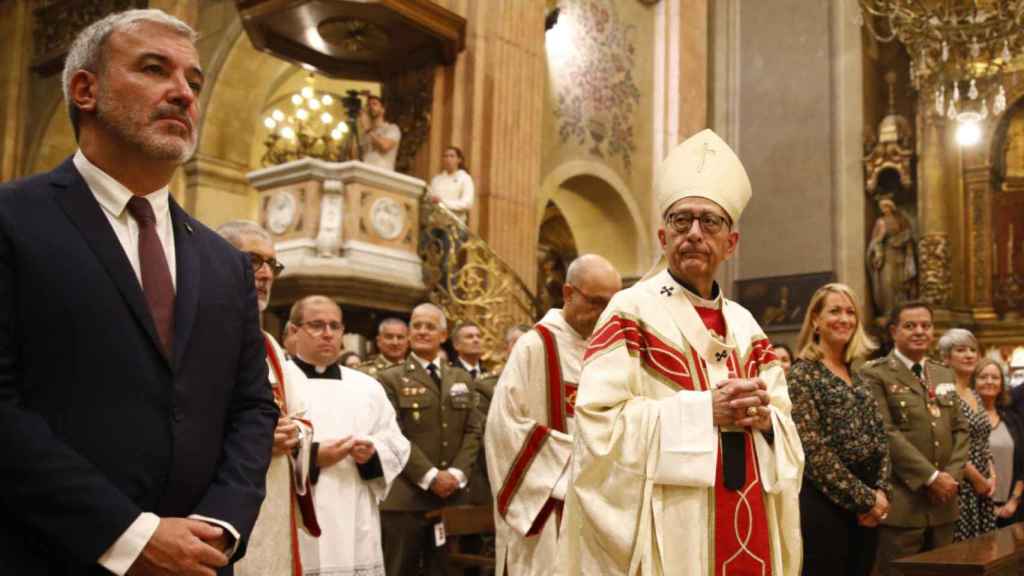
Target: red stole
[
  {"x": 305, "y": 502},
  {"x": 561, "y": 402},
  {"x": 741, "y": 546}
]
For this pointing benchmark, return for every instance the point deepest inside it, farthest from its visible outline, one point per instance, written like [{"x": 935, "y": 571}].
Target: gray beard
[{"x": 119, "y": 122}]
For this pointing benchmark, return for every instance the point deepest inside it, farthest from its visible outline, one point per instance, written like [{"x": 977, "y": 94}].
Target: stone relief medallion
[
  {"x": 281, "y": 209},
  {"x": 387, "y": 218}
]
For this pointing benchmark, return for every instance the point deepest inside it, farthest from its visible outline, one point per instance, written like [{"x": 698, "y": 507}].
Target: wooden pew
[
  {"x": 462, "y": 521},
  {"x": 999, "y": 553}
]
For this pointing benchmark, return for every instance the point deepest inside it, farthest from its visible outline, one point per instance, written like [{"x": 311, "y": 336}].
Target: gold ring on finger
[{"x": 752, "y": 411}]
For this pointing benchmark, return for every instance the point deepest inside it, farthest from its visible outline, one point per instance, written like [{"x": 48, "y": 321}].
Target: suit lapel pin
[{"x": 188, "y": 227}]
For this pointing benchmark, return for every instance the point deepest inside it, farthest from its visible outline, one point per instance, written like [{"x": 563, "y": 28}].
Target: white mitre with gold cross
[{"x": 703, "y": 165}]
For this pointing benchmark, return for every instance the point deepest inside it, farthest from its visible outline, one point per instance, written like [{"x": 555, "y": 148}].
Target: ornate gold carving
[
  {"x": 892, "y": 148},
  {"x": 354, "y": 37},
  {"x": 58, "y": 22},
  {"x": 410, "y": 96},
  {"x": 469, "y": 281},
  {"x": 934, "y": 277}
]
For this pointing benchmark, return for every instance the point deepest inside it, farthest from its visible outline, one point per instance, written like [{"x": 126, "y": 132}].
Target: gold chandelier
[
  {"x": 959, "y": 49},
  {"x": 310, "y": 124}
]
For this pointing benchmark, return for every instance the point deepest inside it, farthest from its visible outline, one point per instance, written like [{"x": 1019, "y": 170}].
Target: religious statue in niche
[{"x": 891, "y": 259}]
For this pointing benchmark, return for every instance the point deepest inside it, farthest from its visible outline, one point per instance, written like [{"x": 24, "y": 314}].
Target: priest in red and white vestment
[
  {"x": 288, "y": 506},
  {"x": 528, "y": 437},
  {"x": 686, "y": 460}
]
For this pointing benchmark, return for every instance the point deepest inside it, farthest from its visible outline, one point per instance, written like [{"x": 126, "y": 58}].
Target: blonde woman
[
  {"x": 959, "y": 351},
  {"x": 846, "y": 488}
]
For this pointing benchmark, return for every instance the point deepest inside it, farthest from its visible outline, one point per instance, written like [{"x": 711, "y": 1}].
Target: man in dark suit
[
  {"x": 136, "y": 420},
  {"x": 437, "y": 411},
  {"x": 927, "y": 438}
]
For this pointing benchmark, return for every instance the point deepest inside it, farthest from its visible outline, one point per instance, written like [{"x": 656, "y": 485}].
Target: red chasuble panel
[{"x": 741, "y": 546}]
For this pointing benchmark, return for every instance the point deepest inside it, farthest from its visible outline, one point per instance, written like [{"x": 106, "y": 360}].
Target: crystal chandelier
[
  {"x": 958, "y": 49},
  {"x": 311, "y": 124}
]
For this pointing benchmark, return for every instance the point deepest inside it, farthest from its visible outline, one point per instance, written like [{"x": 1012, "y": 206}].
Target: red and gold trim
[
  {"x": 657, "y": 356},
  {"x": 531, "y": 447},
  {"x": 761, "y": 354},
  {"x": 305, "y": 502},
  {"x": 556, "y": 388}
]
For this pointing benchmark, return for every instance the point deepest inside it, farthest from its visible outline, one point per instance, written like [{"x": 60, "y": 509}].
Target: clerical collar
[
  {"x": 332, "y": 372},
  {"x": 436, "y": 361},
  {"x": 699, "y": 301}
]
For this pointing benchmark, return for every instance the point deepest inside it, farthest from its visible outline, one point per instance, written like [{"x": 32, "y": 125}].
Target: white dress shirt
[
  {"x": 427, "y": 478},
  {"x": 113, "y": 198}
]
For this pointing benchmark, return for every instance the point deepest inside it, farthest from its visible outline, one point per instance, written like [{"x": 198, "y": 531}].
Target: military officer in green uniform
[
  {"x": 393, "y": 344},
  {"x": 437, "y": 407},
  {"x": 927, "y": 438}
]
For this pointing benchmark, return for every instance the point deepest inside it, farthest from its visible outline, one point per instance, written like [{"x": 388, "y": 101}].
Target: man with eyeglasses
[
  {"x": 360, "y": 448},
  {"x": 437, "y": 411},
  {"x": 271, "y": 551},
  {"x": 529, "y": 432},
  {"x": 685, "y": 448}
]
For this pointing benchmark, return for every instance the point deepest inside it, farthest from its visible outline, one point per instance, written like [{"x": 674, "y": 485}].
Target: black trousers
[
  {"x": 834, "y": 544},
  {"x": 408, "y": 542}
]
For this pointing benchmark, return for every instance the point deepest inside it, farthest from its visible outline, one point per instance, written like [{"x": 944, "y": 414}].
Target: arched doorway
[{"x": 556, "y": 248}]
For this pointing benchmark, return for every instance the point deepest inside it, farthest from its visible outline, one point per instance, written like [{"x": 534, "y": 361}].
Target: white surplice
[
  {"x": 646, "y": 452},
  {"x": 347, "y": 506},
  {"x": 526, "y": 458}
]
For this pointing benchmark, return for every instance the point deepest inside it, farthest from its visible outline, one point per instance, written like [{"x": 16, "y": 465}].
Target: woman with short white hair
[{"x": 959, "y": 350}]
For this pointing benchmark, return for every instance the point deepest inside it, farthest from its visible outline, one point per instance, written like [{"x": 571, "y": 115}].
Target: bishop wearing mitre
[{"x": 686, "y": 460}]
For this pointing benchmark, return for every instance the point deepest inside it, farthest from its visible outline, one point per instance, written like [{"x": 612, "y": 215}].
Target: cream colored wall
[
  {"x": 606, "y": 211},
  {"x": 787, "y": 96}
]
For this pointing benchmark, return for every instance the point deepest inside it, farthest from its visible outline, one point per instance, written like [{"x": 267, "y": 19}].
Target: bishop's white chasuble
[
  {"x": 648, "y": 494},
  {"x": 347, "y": 505},
  {"x": 528, "y": 440}
]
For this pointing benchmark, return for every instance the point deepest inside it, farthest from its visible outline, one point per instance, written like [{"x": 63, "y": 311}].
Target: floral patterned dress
[
  {"x": 845, "y": 444},
  {"x": 977, "y": 513}
]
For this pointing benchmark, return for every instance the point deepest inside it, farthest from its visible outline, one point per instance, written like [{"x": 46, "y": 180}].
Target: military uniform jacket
[
  {"x": 444, "y": 426},
  {"x": 479, "y": 483},
  {"x": 375, "y": 366},
  {"x": 925, "y": 434}
]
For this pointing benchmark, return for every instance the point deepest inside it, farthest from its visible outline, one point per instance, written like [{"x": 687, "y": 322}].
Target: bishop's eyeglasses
[
  {"x": 258, "y": 261},
  {"x": 710, "y": 223}
]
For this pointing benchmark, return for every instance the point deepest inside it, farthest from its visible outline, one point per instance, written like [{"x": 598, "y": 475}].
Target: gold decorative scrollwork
[
  {"x": 58, "y": 22},
  {"x": 934, "y": 277},
  {"x": 469, "y": 281}
]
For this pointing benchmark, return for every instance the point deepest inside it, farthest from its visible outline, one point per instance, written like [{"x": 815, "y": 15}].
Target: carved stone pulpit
[{"x": 347, "y": 230}]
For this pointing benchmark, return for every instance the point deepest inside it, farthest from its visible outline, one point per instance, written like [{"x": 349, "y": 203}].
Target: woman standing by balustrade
[
  {"x": 453, "y": 186},
  {"x": 846, "y": 475}
]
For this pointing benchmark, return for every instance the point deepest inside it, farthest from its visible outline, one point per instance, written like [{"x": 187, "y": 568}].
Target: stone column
[
  {"x": 15, "y": 24},
  {"x": 491, "y": 105},
  {"x": 934, "y": 277}
]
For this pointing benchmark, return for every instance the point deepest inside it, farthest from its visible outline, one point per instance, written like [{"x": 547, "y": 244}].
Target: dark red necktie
[{"x": 156, "y": 276}]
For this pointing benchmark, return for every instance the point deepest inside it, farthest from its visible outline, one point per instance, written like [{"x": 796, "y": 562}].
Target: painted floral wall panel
[{"x": 596, "y": 93}]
